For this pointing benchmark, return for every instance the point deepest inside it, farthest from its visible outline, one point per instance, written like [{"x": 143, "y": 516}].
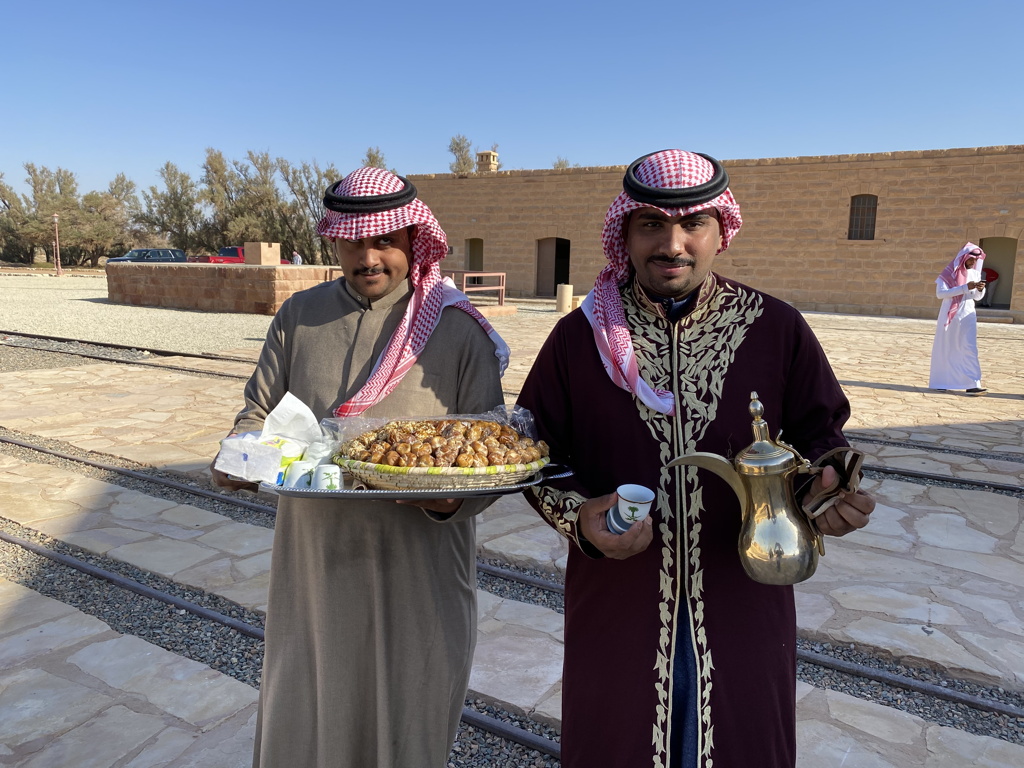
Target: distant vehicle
[
  {"x": 151, "y": 255},
  {"x": 231, "y": 254}
]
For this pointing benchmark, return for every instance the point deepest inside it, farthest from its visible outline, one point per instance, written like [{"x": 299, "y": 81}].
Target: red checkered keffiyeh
[
  {"x": 955, "y": 274},
  {"x": 670, "y": 169},
  {"x": 430, "y": 295}
]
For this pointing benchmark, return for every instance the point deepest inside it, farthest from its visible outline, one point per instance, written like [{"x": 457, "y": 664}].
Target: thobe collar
[
  {"x": 401, "y": 293},
  {"x": 667, "y": 307}
]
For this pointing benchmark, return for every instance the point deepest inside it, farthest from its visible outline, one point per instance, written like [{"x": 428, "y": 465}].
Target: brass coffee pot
[{"x": 778, "y": 544}]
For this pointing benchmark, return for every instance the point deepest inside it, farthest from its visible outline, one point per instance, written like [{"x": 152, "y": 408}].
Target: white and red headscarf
[
  {"x": 671, "y": 169},
  {"x": 955, "y": 274},
  {"x": 431, "y": 293}
]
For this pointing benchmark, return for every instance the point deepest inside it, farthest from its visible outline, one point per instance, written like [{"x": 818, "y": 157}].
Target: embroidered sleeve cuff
[{"x": 561, "y": 510}]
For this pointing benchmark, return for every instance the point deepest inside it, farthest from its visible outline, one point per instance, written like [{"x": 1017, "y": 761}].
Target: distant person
[
  {"x": 955, "y": 349},
  {"x": 296, "y": 258},
  {"x": 371, "y": 614}
]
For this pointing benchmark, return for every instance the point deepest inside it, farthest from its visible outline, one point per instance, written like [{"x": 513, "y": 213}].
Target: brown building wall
[
  {"x": 793, "y": 243},
  {"x": 211, "y": 287}
]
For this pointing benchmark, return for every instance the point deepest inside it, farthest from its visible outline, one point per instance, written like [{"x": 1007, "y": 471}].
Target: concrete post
[{"x": 563, "y": 298}]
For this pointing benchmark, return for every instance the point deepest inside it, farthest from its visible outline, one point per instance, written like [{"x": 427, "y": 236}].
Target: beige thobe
[{"x": 371, "y": 622}]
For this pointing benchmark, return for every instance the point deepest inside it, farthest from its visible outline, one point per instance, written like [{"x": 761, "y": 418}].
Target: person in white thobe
[{"x": 955, "y": 362}]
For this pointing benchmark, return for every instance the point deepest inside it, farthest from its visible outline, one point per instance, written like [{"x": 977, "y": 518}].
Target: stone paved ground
[{"x": 938, "y": 576}]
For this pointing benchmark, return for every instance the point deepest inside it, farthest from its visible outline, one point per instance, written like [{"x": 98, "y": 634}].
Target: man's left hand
[{"x": 849, "y": 513}]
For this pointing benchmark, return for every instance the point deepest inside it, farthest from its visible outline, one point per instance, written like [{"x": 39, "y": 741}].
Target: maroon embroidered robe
[{"x": 675, "y": 657}]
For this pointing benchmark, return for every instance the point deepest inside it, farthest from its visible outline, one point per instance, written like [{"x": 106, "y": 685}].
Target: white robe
[{"x": 955, "y": 349}]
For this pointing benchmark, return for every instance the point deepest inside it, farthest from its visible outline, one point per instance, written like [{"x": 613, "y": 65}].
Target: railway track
[
  {"x": 492, "y": 578},
  {"x": 922, "y": 688}
]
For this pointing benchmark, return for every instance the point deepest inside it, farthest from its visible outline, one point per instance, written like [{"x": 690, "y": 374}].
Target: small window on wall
[{"x": 862, "y": 217}]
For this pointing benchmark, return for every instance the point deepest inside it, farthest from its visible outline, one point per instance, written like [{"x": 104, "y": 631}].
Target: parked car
[
  {"x": 231, "y": 254},
  {"x": 151, "y": 255}
]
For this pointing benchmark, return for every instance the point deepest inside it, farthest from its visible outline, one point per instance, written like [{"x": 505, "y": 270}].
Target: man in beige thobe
[{"x": 371, "y": 621}]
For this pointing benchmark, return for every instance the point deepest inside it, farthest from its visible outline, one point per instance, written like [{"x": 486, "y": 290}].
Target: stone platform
[{"x": 937, "y": 578}]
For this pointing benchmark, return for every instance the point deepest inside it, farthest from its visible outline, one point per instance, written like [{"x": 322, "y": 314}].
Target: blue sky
[{"x": 115, "y": 86}]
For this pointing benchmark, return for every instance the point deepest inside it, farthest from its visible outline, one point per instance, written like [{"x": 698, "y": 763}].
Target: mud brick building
[{"x": 862, "y": 234}]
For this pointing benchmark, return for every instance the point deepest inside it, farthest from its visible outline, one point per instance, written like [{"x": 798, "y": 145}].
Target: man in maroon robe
[{"x": 674, "y": 657}]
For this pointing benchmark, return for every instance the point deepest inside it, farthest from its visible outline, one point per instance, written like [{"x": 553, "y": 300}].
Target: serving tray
[{"x": 549, "y": 472}]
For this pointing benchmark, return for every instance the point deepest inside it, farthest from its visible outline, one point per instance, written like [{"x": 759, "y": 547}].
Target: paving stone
[
  {"x": 100, "y": 742},
  {"x": 21, "y": 607},
  {"x": 36, "y": 704},
  {"x": 184, "y": 688},
  {"x": 895, "y": 603},
  {"x": 920, "y": 642},
  {"x": 163, "y": 556},
  {"x": 103, "y": 539},
  {"x": 239, "y": 539},
  {"x": 877, "y": 720},
  {"x": 498, "y": 669},
  {"x": 950, "y": 748},
  {"x": 33, "y": 642},
  {"x": 992, "y": 566},
  {"x": 161, "y": 751}
]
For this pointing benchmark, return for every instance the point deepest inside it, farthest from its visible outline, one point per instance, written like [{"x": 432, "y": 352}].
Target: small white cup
[
  {"x": 299, "y": 474},
  {"x": 327, "y": 477},
  {"x": 634, "y": 505}
]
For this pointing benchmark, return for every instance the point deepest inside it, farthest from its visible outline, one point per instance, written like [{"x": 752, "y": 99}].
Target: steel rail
[
  {"x": 1014, "y": 458},
  {"x": 851, "y": 668},
  {"x": 130, "y": 347},
  {"x": 144, "y": 363},
  {"x": 983, "y": 484},
  {"x": 469, "y": 716}
]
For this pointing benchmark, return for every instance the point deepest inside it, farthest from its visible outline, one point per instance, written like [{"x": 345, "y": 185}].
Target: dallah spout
[{"x": 721, "y": 467}]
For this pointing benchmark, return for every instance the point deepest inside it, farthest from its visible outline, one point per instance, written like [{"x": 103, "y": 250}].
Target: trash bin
[{"x": 990, "y": 276}]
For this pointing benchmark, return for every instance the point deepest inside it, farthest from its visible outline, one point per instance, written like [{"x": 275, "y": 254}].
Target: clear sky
[{"x": 125, "y": 86}]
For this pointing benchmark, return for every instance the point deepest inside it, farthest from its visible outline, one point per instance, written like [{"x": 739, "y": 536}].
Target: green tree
[
  {"x": 374, "y": 158},
  {"x": 174, "y": 213},
  {"x": 306, "y": 184},
  {"x": 461, "y": 149},
  {"x": 13, "y": 215}
]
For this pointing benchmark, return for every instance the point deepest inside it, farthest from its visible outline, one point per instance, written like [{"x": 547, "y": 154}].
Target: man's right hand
[
  {"x": 224, "y": 481},
  {"x": 593, "y": 524}
]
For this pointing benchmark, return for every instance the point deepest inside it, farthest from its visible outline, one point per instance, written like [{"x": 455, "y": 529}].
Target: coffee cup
[
  {"x": 634, "y": 504},
  {"x": 299, "y": 474},
  {"x": 327, "y": 477}
]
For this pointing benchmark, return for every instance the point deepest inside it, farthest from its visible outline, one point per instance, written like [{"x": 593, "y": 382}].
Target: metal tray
[{"x": 550, "y": 472}]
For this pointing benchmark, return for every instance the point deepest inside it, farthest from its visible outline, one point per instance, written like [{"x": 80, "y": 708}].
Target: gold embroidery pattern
[
  {"x": 560, "y": 508},
  {"x": 707, "y": 342}
]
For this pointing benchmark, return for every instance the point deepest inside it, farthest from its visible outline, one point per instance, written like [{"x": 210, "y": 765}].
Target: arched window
[{"x": 862, "y": 217}]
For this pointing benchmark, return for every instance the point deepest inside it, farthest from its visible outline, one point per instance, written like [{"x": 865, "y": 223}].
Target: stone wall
[
  {"x": 212, "y": 287},
  {"x": 794, "y": 238}
]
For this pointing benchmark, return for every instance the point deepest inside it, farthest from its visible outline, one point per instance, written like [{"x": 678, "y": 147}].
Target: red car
[{"x": 232, "y": 254}]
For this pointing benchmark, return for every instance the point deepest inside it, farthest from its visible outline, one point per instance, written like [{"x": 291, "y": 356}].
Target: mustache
[
  {"x": 369, "y": 271},
  {"x": 674, "y": 262}
]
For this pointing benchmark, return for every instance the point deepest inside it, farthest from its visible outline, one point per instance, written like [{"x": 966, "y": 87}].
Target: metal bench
[{"x": 467, "y": 281}]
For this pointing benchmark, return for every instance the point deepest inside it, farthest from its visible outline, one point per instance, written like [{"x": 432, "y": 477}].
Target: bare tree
[{"x": 462, "y": 150}]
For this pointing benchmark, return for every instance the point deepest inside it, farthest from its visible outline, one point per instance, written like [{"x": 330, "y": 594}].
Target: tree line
[{"x": 258, "y": 199}]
